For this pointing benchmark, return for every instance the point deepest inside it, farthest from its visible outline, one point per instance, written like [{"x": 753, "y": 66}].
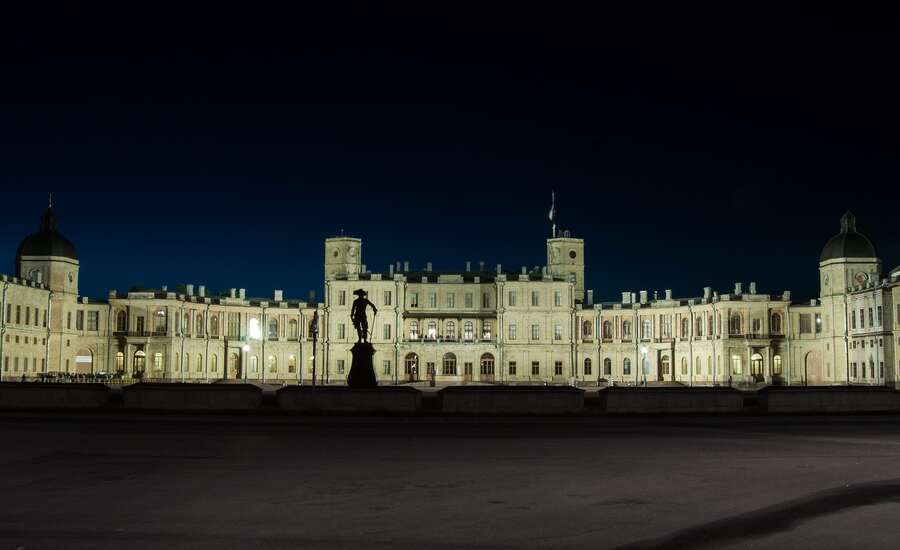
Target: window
[
  {"x": 607, "y": 367},
  {"x": 234, "y": 325},
  {"x": 698, "y": 366},
  {"x": 871, "y": 318},
  {"x": 734, "y": 324},
  {"x": 557, "y": 332},
  {"x": 468, "y": 331},
  {"x": 432, "y": 299},
  {"x": 535, "y": 368},
  {"x": 214, "y": 364},
  {"x": 8, "y": 314},
  {"x": 776, "y": 323},
  {"x": 448, "y": 365},
  {"x": 607, "y": 330},
  {"x": 736, "y": 364},
  {"x": 709, "y": 365},
  {"x": 387, "y": 298},
  {"x": 411, "y": 363},
  {"x": 79, "y": 318},
  {"x": 486, "y": 329},
  {"x": 414, "y": 330},
  {"x": 386, "y": 367},
  {"x": 386, "y": 332},
  {"x": 512, "y": 368},
  {"x": 664, "y": 364},
  {"x": 776, "y": 365},
  {"x": 805, "y": 323},
  {"x": 878, "y": 318},
  {"x": 685, "y": 327},
  {"x": 413, "y": 299},
  {"x": 273, "y": 329},
  {"x": 819, "y": 322},
  {"x": 665, "y": 326},
  {"x": 862, "y": 318},
  {"x": 93, "y": 320},
  {"x": 451, "y": 300},
  {"x": 186, "y": 363},
  {"x": 487, "y": 365},
  {"x": 468, "y": 300},
  {"x": 511, "y": 300},
  {"x": 512, "y": 331},
  {"x": 342, "y": 297},
  {"x": 626, "y": 366},
  {"x": 557, "y": 368},
  {"x": 853, "y": 319},
  {"x": 535, "y": 332},
  {"x": 340, "y": 366},
  {"x": 646, "y": 329},
  {"x": 756, "y": 325},
  {"x": 698, "y": 327},
  {"x": 199, "y": 367},
  {"x": 28, "y": 315},
  {"x": 293, "y": 329},
  {"x": 432, "y": 331},
  {"x": 557, "y": 298},
  {"x": 272, "y": 364},
  {"x": 186, "y": 323},
  {"x": 120, "y": 361},
  {"x": 626, "y": 330},
  {"x": 341, "y": 331},
  {"x": 485, "y": 300},
  {"x": 587, "y": 366},
  {"x": 684, "y": 366},
  {"x": 535, "y": 298},
  {"x": 450, "y": 333},
  {"x": 19, "y": 318},
  {"x": 121, "y": 321},
  {"x": 587, "y": 330}
]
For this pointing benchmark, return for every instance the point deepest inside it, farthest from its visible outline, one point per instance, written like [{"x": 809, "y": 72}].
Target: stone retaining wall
[
  {"x": 512, "y": 399},
  {"x": 349, "y": 400},
  {"x": 192, "y": 397}
]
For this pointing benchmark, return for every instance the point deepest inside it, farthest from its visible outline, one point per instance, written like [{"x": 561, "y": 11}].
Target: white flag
[{"x": 553, "y": 206}]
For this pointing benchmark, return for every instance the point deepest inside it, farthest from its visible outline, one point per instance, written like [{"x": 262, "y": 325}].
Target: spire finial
[
  {"x": 50, "y": 200},
  {"x": 848, "y": 222}
]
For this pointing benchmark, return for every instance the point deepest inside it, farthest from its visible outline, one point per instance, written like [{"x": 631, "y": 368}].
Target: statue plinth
[{"x": 362, "y": 371}]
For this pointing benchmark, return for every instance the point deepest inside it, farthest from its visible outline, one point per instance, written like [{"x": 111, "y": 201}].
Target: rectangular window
[
  {"x": 535, "y": 332},
  {"x": 387, "y": 299},
  {"x": 557, "y": 298},
  {"x": 93, "y": 320},
  {"x": 512, "y": 331},
  {"x": 340, "y": 366},
  {"x": 819, "y": 322},
  {"x": 451, "y": 300},
  {"x": 511, "y": 299},
  {"x": 432, "y": 300},
  {"x": 805, "y": 323},
  {"x": 341, "y": 331},
  {"x": 485, "y": 300},
  {"x": 736, "y": 364},
  {"x": 557, "y": 368},
  {"x": 234, "y": 325},
  {"x": 68, "y": 319},
  {"x": 413, "y": 299},
  {"x": 871, "y": 318},
  {"x": 386, "y": 332},
  {"x": 757, "y": 326},
  {"x": 535, "y": 368},
  {"x": 28, "y": 315},
  {"x": 853, "y": 319},
  {"x": 879, "y": 317},
  {"x": 535, "y": 299},
  {"x": 19, "y": 315},
  {"x": 557, "y": 332},
  {"x": 9, "y": 312},
  {"x": 386, "y": 366},
  {"x": 469, "y": 299},
  {"x": 342, "y": 297},
  {"x": 512, "y": 368},
  {"x": 862, "y": 318}
]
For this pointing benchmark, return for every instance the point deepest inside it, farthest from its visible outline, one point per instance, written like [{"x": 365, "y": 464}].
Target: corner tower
[
  {"x": 343, "y": 256},
  {"x": 48, "y": 257},
  {"x": 565, "y": 259},
  {"x": 848, "y": 259}
]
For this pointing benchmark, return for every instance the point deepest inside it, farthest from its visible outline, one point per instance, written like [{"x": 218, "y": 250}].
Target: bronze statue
[{"x": 358, "y": 314}]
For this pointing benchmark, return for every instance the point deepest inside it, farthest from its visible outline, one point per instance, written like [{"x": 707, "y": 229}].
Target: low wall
[
  {"x": 346, "y": 399},
  {"x": 192, "y": 397},
  {"x": 35, "y": 395},
  {"x": 828, "y": 399},
  {"x": 512, "y": 399},
  {"x": 671, "y": 400}
]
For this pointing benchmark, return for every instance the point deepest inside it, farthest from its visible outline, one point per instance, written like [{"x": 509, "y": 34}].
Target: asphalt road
[{"x": 142, "y": 481}]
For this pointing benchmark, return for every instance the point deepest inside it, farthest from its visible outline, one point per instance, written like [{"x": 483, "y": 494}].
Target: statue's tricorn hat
[{"x": 359, "y": 292}]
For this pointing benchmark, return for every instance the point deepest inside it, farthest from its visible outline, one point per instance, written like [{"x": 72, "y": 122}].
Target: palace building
[{"x": 478, "y": 325}]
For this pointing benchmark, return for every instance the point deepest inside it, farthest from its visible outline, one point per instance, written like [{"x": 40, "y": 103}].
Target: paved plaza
[{"x": 173, "y": 481}]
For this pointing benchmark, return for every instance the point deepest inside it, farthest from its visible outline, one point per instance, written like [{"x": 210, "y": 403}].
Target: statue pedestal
[{"x": 362, "y": 372}]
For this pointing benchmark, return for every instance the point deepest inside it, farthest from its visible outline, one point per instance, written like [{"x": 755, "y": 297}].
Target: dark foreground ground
[{"x": 145, "y": 481}]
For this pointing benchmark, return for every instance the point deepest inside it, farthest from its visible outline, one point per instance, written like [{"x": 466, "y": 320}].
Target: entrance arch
[
  {"x": 139, "y": 364},
  {"x": 756, "y": 368},
  {"x": 412, "y": 367},
  {"x": 84, "y": 361},
  {"x": 234, "y": 366},
  {"x": 665, "y": 368},
  {"x": 813, "y": 368},
  {"x": 487, "y": 367}
]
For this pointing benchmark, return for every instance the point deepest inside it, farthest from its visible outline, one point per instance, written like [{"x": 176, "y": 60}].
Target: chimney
[
  {"x": 165, "y": 288},
  {"x": 243, "y": 293},
  {"x": 590, "y": 297},
  {"x": 655, "y": 295},
  {"x": 643, "y": 296},
  {"x": 737, "y": 288},
  {"x": 312, "y": 297},
  {"x": 362, "y": 268},
  {"x": 279, "y": 295},
  {"x": 707, "y": 292},
  {"x": 391, "y": 270},
  {"x": 499, "y": 269},
  {"x": 406, "y": 266},
  {"x": 428, "y": 266},
  {"x": 189, "y": 289},
  {"x": 398, "y": 265},
  {"x": 626, "y": 297},
  {"x": 668, "y": 294},
  {"x": 468, "y": 266},
  {"x": 202, "y": 291},
  {"x": 524, "y": 270},
  {"x": 752, "y": 287},
  {"x": 232, "y": 292},
  {"x": 481, "y": 265},
  {"x": 787, "y": 295},
  {"x": 633, "y": 298}
]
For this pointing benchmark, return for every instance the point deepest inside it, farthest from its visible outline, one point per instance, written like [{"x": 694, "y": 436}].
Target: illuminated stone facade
[{"x": 478, "y": 325}]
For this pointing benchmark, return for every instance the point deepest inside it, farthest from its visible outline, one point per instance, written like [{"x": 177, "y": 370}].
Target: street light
[
  {"x": 245, "y": 348},
  {"x": 644, "y": 366}
]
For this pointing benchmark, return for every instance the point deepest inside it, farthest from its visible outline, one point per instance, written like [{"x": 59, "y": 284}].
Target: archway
[
  {"x": 412, "y": 367},
  {"x": 449, "y": 365},
  {"x": 756, "y": 368},
  {"x": 84, "y": 361},
  {"x": 139, "y": 364},
  {"x": 234, "y": 366},
  {"x": 665, "y": 367},
  {"x": 487, "y": 367},
  {"x": 813, "y": 368}
]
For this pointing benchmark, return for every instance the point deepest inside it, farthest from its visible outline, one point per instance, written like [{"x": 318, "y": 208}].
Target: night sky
[{"x": 221, "y": 147}]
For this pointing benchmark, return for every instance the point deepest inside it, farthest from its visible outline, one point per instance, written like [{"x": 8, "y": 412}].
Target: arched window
[
  {"x": 292, "y": 363},
  {"x": 187, "y": 363},
  {"x": 698, "y": 366},
  {"x": 432, "y": 330},
  {"x": 646, "y": 329},
  {"x": 468, "y": 330},
  {"x": 756, "y": 365},
  {"x": 158, "y": 364},
  {"x": 411, "y": 362},
  {"x": 775, "y": 324},
  {"x": 199, "y": 366},
  {"x": 159, "y": 321},
  {"x": 214, "y": 326},
  {"x": 607, "y": 366},
  {"x": 414, "y": 330},
  {"x": 587, "y": 365},
  {"x": 685, "y": 328},
  {"x": 698, "y": 328},
  {"x": 120, "y": 362},
  {"x": 587, "y": 330},
  {"x": 607, "y": 330},
  {"x": 121, "y": 321},
  {"x": 736, "y": 366},
  {"x": 684, "y": 366},
  {"x": 140, "y": 361},
  {"x": 626, "y": 366},
  {"x": 709, "y": 365},
  {"x": 186, "y": 323},
  {"x": 214, "y": 364},
  {"x": 272, "y": 365},
  {"x": 451, "y": 331},
  {"x": 449, "y": 364},
  {"x": 626, "y": 329},
  {"x": 273, "y": 329},
  {"x": 776, "y": 365},
  {"x": 664, "y": 364},
  {"x": 254, "y": 364},
  {"x": 199, "y": 324},
  {"x": 486, "y": 330},
  {"x": 734, "y": 324},
  {"x": 487, "y": 364},
  {"x": 292, "y": 329}
]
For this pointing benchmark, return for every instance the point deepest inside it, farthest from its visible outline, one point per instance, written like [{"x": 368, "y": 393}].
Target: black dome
[
  {"x": 848, "y": 243},
  {"x": 47, "y": 241}
]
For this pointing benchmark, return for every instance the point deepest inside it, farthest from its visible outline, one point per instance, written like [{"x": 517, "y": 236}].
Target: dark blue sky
[{"x": 220, "y": 148}]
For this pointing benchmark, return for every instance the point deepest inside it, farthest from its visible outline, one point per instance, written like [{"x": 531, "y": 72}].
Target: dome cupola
[
  {"x": 46, "y": 241},
  {"x": 848, "y": 243}
]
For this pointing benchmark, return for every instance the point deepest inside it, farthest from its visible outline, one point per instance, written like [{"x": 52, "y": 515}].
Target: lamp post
[
  {"x": 245, "y": 348},
  {"x": 645, "y": 367}
]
